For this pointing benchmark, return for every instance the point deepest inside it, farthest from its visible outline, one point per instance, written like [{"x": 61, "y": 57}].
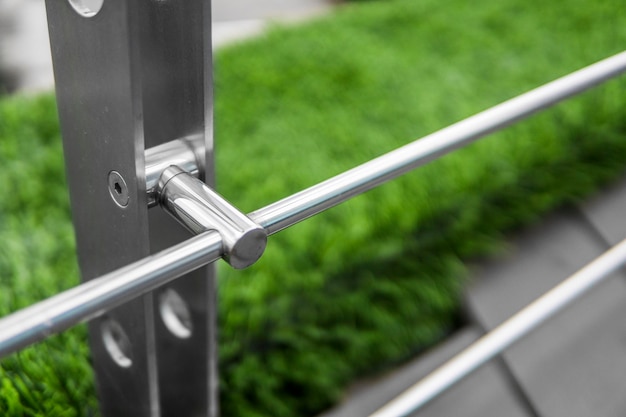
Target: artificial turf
[{"x": 374, "y": 280}]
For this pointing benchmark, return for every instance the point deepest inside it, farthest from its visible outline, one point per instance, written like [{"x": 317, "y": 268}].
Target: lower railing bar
[
  {"x": 329, "y": 193},
  {"x": 507, "y": 333},
  {"x": 104, "y": 293},
  {"x": 111, "y": 290}
]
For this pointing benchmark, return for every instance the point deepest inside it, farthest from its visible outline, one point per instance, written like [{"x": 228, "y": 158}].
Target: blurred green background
[{"x": 374, "y": 281}]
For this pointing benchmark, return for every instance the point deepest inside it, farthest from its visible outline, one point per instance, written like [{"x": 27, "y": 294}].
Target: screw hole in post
[
  {"x": 116, "y": 343},
  {"x": 86, "y": 8},
  {"x": 118, "y": 189},
  {"x": 175, "y": 314}
]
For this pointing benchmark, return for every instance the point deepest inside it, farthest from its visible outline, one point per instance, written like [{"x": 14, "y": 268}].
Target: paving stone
[
  {"x": 235, "y": 20},
  {"x": 486, "y": 392},
  {"x": 25, "y": 47},
  {"x": 607, "y": 212},
  {"x": 575, "y": 364},
  {"x": 224, "y": 10},
  {"x": 533, "y": 263}
]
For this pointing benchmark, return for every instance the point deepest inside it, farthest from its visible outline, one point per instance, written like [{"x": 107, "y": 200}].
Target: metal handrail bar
[
  {"x": 329, "y": 193},
  {"x": 507, "y": 333},
  {"x": 99, "y": 295}
]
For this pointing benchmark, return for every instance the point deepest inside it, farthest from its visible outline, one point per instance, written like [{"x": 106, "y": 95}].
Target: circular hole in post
[
  {"x": 175, "y": 314},
  {"x": 87, "y": 8},
  {"x": 116, "y": 343}
]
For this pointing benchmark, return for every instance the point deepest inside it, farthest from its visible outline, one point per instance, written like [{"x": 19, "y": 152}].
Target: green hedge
[{"x": 377, "y": 279}]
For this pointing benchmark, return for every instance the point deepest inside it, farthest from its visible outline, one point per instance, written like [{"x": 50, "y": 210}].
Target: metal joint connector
[
  {"x": 186, "y": 153},
  {"x": 199, "y": 208}
]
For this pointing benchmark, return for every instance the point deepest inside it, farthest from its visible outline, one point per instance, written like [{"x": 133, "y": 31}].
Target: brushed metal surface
[
  {"x": 178, "y": 102},
  {"x": 132, "y": 76},
  {"x": 99, "y": 99}
]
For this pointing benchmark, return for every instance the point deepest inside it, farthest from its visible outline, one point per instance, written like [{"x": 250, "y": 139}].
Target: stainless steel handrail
[
  {"x": 507, "y": 333},
  {"x": 329, "y": 193},
  {"x": 97, "y": 296}
]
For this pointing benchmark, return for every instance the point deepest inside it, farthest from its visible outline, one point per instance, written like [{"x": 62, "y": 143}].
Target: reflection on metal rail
[
  {"x": 329, "y": 193},
  {"x": 97, "y": 296},
  {"x": 506, "y": 334}
]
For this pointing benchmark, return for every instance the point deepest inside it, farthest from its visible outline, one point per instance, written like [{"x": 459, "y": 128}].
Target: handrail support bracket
[{"x": 199, "y": 208}]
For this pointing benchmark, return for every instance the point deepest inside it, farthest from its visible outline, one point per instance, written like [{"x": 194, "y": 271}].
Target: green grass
[
  {"x": 37, "y": 260},
  {"x": 377, "y": 279}
]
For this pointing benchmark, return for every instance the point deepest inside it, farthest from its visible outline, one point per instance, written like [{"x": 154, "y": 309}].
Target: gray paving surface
[
  {"x": 26, "y": 65},
  {"x": 225, "y": 10},
  {"x": 494, "y": 394},
  {"x": 607, "y": 212},
  {"x": 534, "y": 262},
  {"x": 573, "y": 365}
]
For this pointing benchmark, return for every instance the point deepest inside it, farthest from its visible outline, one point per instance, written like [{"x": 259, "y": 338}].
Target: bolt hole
[
  {"x": 118, "y": 189},
  {"x": 116, "y": 343},
  {"x": 175, "y": 314},
  {"x": 87, "y": 8}
]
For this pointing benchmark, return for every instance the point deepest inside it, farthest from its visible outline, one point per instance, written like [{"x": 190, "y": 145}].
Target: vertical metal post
[
  {"x": 131, "y": 75},
  {"x": 178, "y": 102}
]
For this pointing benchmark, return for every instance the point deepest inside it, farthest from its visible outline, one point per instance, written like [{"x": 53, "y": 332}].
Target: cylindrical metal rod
[
  {"x": 99, "y": 295},
  {"x": 329, "y": 193},
  {"x": 102, "y": 294},
  {"x": 197, "y": 207},
  {"x": 184, "y": 153},
  {"x": 506, "y": 334}
]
